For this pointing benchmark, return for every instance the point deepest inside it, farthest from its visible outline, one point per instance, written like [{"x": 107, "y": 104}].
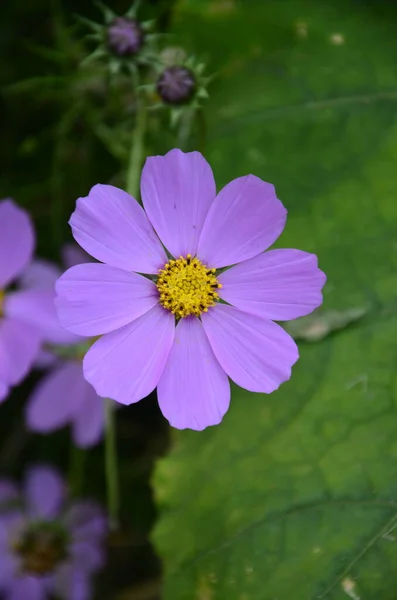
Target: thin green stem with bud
[
  {"x": 111, "y": 469},
  {"x": 137, "y": 150}
]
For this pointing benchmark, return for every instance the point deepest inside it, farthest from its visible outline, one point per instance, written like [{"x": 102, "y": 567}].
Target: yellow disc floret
[
  {"x": 2, "y": 298},
  {"x": 187, "y": 287}
]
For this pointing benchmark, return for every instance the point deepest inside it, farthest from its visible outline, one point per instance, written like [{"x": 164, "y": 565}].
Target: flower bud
[
  {"x": 176, "y": 85},
  {"x": 125, "y": 36}
]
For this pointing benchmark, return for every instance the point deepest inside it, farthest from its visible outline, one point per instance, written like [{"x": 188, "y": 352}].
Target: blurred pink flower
[
  {"x": 24, "y": 323},
  {"x": 48, "y": 546},
  {"x": 63, "y": 397}
]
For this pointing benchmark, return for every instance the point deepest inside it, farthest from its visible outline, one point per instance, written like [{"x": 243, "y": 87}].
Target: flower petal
[
  {"x": 37, "y": 307},
  {"x": 46, "y": 359},
  {"x": 9, "y": 492},
  {"x": 4, "y": 390},
  {"x": 72, "y": 584},
  {"x": 177, "y": 192},
  {"x": 12, "y": 522},
  {"x": 194, "y": 390},
  {"x": 277, "y": 285},
  {"x": 256, "y": 354},
  {"x": 94, "y": 298},
  {"x": 17, "y": 241},
  {"x": 45, "y": 492},
  {"x": 19, "y": 346},
  {"x": 111, "y": 226},
  {"x": 25, "y": 587},
  {"x": 73, "y": 255},
  {"x": 245, "y": 219},
  {"x": 87, "y": 556},
  {"x": 40, "y": 274},
  {"x": 56, "y": 398},
  {"x": 86, "y": 521},
  {"x": 126, "y": 365},
  {"x": 89, "y": 421},
  {"x": 8, "y": 567}
]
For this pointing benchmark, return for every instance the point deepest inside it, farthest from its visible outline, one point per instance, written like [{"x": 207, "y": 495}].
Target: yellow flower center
[
  {"x": 187, "y": 287},
  {"x": 2, "y": 296}
]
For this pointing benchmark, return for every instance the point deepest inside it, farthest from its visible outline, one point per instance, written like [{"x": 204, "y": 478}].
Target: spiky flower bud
[
  {"x": 176, "y": 85},
  {"x": 125, "y": 36}
]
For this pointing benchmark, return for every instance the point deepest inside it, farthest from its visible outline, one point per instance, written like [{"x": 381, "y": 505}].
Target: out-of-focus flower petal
[
  {"x": 72, "y": 584},
  {"x": 111, "y": 226},
  {"x": 19, "y": 347},
  {"x": 94, "y": 299},
  {"x": 56, "y": 398},
  {"x": 193, "y": 391},
  {"x": 278, "y": 285},
  {"x": 17, "y": 241},
  {"x": 73, "y": 255},
  {"x": 40, "y": 274},
  {"x": 46, "y": 359},
  {"x": 8, "y": 566},
  {"x": 245, "y": 218},
  {"x": 37, "y": 308},
  {"x": 126, "y": 365},
  {"x": 89, "y": 419},
  {"x": 87, "y": 556},
  {"x": 44, "y": 492},
  {"x": 4, "y": 390},
  {"x": 26, "y": 587},
  {"x": 177, "y": 192},
  {"x": 255, "y": 353},
  {"x": 8, "y": 492},
  {"x": 86, "y": 520}
]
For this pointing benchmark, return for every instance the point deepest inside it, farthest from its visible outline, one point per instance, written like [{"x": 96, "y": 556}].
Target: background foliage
[{"x": 293, "y": 494}]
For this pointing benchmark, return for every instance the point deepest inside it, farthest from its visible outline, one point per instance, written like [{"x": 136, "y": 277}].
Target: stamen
[{"x": 186, "y": 286}]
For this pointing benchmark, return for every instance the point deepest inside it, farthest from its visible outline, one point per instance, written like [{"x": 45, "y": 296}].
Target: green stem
[
  {"x": 76, "y": 469},
  {"x": 112, "y": 479},
  {"x": 137, "y": 150},
  {"x": 185, "y": 129},
  {"x": 202, "y": 130}
]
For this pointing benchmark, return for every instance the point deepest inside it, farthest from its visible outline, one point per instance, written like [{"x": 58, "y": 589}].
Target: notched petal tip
[
  {"x": 193, "y": 391},
  {"x": 279, "y": 285},
  {"x": 112, "y": 227},
  {"x": 177, "y": 191},
  {"x": 245, "y": 219},
  {"x": 257, "y": 354}
]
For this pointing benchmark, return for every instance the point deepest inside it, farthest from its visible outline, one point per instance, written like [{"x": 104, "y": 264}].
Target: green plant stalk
[
  {"x": 137, "y": 151},
  {"x": 185, "y": 129},
  {"x": 202, "y": 130},
  {"x": 111, "y": 469}
]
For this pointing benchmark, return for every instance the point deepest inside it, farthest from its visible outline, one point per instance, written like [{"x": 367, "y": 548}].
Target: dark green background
[{"x": 290, "y": 497}]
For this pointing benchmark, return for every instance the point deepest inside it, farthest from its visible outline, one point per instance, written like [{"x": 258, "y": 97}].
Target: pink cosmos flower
[
  {"x": 185, "y": 324},
  {"x": 48, "y": 547},
  {"x": 24, "y": 322},
  {"x": 63, "y": 397}
]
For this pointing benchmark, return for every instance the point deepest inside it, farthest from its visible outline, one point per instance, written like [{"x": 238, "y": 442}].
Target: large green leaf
[{"x": 293, "y": 495}]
